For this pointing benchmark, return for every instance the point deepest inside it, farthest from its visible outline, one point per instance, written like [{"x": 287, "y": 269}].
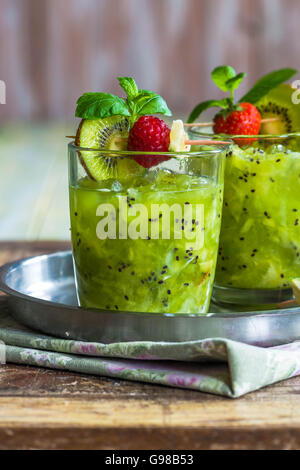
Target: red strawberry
[
  {"x": 239, "y": 122},
  {"x": 149, "y": 134}
]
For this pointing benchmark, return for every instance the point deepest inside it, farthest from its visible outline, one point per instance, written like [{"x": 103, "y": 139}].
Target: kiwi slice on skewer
[
  {"x": 278, "y": 104},
  {"x": 105, "y": 134}
]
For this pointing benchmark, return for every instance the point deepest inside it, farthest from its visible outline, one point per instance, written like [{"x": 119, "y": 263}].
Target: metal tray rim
[{"x": 8, "y": 267}]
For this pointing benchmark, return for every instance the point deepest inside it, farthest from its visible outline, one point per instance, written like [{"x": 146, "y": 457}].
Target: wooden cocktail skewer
[
  {"x": 201, "y": 124},
  {"x": 287, "y": 304},
  {"x": 186, "y": 142},
  {"x": 206, "y": 142},
  {"x": 209, "y": 124},
  {"x": 198, "y": 124},
  {"x": 195, "y": 142}
]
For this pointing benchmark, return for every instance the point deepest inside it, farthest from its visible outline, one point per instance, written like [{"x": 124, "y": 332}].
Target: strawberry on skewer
[
  {"x": 245, "y": 120},
  {"x": 210, "y": 124},
  {"x": 241, "y": 117}
]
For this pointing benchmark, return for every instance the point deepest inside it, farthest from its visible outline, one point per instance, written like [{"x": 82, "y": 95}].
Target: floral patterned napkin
[{"x": 214, "y": 365}]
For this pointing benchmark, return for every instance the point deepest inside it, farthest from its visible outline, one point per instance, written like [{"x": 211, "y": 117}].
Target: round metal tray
[{"x": 42, "y": 296}]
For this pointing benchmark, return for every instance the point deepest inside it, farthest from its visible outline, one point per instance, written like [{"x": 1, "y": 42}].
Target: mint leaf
[
  {"x": 146, "y": 92},
  {"x": 129, "y": 86},
  {"x": 235, "y": 82},
  {"x": 200, "y": 108},
  {"x": 148, "y": 102},
  {"x": 266, "y": 84},
  {"x": 100, "y": 105},
  {"x": 221, "y": 75}
]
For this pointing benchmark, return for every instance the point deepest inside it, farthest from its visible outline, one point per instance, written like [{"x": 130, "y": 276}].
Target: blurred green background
[{"x": 51, "y": 51}]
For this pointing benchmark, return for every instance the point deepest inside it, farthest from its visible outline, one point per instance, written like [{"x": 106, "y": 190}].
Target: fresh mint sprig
[
  {"x": 137, "y": 103},
  {"x": 226, "y": 78}
]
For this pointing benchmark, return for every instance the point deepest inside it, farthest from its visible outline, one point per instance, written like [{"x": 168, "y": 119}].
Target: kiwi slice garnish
[
  {"x": 278, "y": 104},
  {"x": 110, "y": 133}
]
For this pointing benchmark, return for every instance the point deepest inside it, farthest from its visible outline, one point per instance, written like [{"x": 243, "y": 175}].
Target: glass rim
[
  {"x": 195, "y": 131},
  {"x": 214, "y": 150}
]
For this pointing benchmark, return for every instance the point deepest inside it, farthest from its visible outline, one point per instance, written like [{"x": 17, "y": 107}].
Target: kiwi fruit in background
[
  {"x": 105, "y": 134},
  {"x": 278, "y": 104}
]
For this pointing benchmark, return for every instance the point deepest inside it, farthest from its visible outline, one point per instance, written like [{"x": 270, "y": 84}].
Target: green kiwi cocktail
[
  {"x": 146, "y": 240},
  {"x": 260, "y": 234},
  {"x": 259, "y": 253}
]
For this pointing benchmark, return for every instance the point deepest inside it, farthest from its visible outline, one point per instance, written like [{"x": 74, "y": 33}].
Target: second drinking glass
[{"x": 259, "y": 253}]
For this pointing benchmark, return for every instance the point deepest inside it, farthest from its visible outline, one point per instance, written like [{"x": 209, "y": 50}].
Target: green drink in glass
[
  {"x": 163, "y": 258},
  {"x": 259, "y": 252}
]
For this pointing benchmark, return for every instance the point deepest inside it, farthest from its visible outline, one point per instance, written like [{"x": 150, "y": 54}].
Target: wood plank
[
  {"x": 147, "y": 424},
  {"x": 142, "y": 413},
  {"x": 147, "y": 439},
  {"x": 10, "y": 251}
]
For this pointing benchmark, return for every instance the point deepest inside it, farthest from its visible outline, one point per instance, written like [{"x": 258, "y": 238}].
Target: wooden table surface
[{"x": 47, "y": 409}]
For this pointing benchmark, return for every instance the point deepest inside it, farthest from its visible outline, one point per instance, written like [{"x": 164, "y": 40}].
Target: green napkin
[{"x": 214, "y": 365}]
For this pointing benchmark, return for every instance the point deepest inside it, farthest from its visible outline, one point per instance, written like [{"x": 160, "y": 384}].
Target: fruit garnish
[
  {"x": 296, "y": 289},
  {"x": 108, "y": 134},
  {"x": 103, "y": 133},
  {"x": 106, "y": 120},
  {"x": 228, "y": 80},
  {"x": 278, "y": 104},
  {"x": 178, "y": 137},
  {"x": 244, "y": 121},
  {"x": 149, "y": 134}
]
